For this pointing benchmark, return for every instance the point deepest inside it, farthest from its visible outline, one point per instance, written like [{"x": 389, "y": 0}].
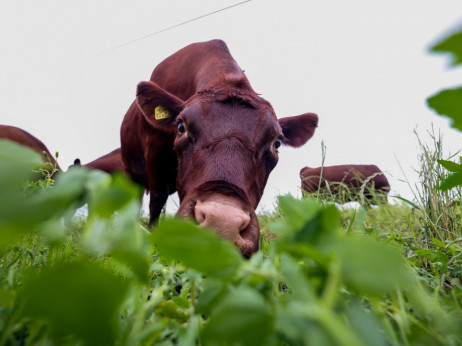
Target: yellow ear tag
[{"x": 161, "y": 113}]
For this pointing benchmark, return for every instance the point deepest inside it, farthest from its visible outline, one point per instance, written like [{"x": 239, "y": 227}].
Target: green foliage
[
  {"x": 76, "y": 292},
  {"x": 451, "y": 45},
  {"x": 322, "y": 278},
  {"x": 447, "y": 103},
  {"x": 453, "y": 179},
  {"x": 197, "y": 248}
]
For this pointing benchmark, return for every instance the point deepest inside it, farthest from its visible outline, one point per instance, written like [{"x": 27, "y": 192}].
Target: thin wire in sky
[{"x": 172, "y": 27}]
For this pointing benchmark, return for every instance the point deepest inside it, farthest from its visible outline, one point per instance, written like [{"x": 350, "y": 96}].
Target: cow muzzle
[{"x": 229, "y": 219}]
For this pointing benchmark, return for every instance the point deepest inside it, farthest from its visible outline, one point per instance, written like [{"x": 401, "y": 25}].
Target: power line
[{"x": 172, "y": 27}]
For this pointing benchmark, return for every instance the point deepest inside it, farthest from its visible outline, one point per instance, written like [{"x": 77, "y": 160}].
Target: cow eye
[
  {"x": 181, "y": 128},
  {"x": 277, "y": 143}
]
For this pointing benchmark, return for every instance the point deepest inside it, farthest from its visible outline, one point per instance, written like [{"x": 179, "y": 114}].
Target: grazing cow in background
[
  {"x": 22, "y": 137},
  {"x": 345, "y": 181},
  {"x": 111, "y": 162},
  {"x": 199, "y": 128}
]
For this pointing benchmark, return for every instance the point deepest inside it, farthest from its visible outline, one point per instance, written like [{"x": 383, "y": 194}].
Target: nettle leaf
[
  {"x": 451, "y": 45},
  {"x": 448, "y": 103},
  {"x": 242, "y": 318},
  {"x": 77, "y": 299},
  {"x": 198, "y": 248}
]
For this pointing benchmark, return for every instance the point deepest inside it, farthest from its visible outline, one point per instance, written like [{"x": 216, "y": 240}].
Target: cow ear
[
  {"x": 299, "y": 129},
  {"x": 159, "y": 107}
]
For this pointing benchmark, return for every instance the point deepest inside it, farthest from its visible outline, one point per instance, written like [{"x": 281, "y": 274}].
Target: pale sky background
[{"x": 361, "y": 65}]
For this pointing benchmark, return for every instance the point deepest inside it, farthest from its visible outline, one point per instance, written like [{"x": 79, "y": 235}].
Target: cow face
[{"x": 227, "y": 144}]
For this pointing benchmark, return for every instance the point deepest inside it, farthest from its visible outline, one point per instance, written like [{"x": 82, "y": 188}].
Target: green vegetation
[{"x": 382, "y": 275}]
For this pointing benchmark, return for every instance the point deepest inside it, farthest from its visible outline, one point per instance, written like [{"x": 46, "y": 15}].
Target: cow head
[{"x": 226, "y": 140}]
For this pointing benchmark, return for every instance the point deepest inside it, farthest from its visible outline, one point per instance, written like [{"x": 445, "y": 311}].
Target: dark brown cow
[
  {"x": 346, "y": 177},
  {"x": 111, "y": 162},
  {"x": 22, "y": 137},
  {"x": 198, "y": 127}
]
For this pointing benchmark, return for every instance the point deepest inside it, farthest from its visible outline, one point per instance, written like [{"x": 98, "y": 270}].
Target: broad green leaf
[
  {"x": 242, "y": 318},
  {"x": 324, "y": 222},
  {"x": 367, "y": 326},
  {"x": 368, "y": 266},
  {"x": 108, "y": 198},
  {"x": 16, "y": 166},
  {"x": 77, "y": 299},
  {"x": 7, "y": 298},
  {"x": 451, "y": 45},
  {"x": 198, "y": 248},
  {"x": 451, "y": 166},
  {"x": 451, "y": 181},
  {"x": 448, "y": 103},
  {"x": 306, "y": 220},
  {"x": 208, "y": 298},
  {"x": 296, "y": 280},
  {"x": 297, "y": 211}
]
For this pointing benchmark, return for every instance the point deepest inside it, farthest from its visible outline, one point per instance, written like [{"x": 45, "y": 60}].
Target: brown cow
[
  {"x": 111, "y": 162},
  {"x": 198, "y": 127},
  {"x": 22, "y": 137},
  {"x": 345, "y": 181}
]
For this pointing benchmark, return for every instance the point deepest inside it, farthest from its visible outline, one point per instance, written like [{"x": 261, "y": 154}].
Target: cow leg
[{"x": 156, "y": 203}]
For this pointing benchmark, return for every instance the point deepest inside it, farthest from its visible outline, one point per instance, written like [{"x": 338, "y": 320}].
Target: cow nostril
[
  {"x": 245, "y": 223},
  {"x": 199, "y": 215}
]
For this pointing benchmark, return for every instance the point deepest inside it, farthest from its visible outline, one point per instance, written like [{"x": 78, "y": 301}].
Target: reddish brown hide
[
  {"x": 199, "y": 128},
  {"x": 350, "y": 176},
  {"x": 111, "y": 162},
  {"x": 22, "y": 137}
]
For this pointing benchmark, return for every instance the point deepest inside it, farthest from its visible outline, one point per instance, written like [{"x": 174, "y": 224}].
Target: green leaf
[
  {"x": 368, "y": 266},
  {"x": 451, "y": 166},
  {"x": 242, "y": 318},
  {"x": 108, "y": 198},
  {"x": 306, "y": 221},
  {"x": 438, "y": 258},
  {"x": 438, "y": 243},
  {"x": 208, "y": 298},
  {"x": 296, "y": 211},
  {"x": 301, "y": 287},
  {"x": 168, "y": 308},
  {"x": 7, "y": 298},
  {"x": 451, "y": 181},
  {"x": 367, "y": 326},
  {"x": 448, "y": 103},
  {"x": 325, "y": 221},
  {"x": 198, "y": 248},
  {"x": 451, "y": 45},
  {"x": 16, "y": 166},
  {"x": 77, "y": 299}
]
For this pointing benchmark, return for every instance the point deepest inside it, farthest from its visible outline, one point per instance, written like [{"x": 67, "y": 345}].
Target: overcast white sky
[{"x": 361, "y": 65}]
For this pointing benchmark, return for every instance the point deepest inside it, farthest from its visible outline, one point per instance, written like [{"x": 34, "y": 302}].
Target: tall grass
[{"x": 441, "y": 209}]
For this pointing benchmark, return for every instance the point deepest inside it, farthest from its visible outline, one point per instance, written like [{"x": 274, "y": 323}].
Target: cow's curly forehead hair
[{"x": 235, "y": 89}]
